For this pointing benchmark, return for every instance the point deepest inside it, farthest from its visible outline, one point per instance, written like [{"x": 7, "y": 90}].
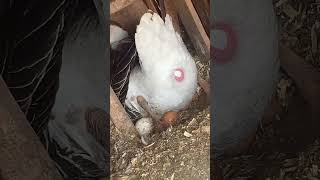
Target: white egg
[{"x": 144, "y": 127}]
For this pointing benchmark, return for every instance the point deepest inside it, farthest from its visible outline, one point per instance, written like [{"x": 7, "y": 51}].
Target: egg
[
  {"x": 170, "y": 117},
  {"x": 144, "y": 127}
]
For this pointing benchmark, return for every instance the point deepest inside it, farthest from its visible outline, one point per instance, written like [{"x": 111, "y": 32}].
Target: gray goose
[{"x": 31, "y": 42}]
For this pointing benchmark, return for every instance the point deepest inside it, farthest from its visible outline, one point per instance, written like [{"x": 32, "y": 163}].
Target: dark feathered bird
[{"x": 31, "y": 42}]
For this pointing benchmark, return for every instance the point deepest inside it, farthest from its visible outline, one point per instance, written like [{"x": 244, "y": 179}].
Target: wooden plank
[
  {"x": 121, "y": 119},
  {"x": 129, "y": 16},
  {"x": 22, "y": 156},
  {"x": 203, "y": 10},
  {"x": 170, "y": 9},
  {"x": 193, "y": 26},
  {"x": 118, "y": 5},
  {"x": 306, "y": 77},
  {"x": 151, "y": 5}
]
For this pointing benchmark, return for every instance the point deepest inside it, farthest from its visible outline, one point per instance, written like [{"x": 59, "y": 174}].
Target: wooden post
[
  {"x": 22, "y": 156},
  {"x": 307, "y": 79},
  {"x": 169, "y": 8},
  {"x": 305, "y": 76},
  {"x": 203, "y": 11},
  {"x": 120, "y": 118},
  {"x": 127, "y": 13},
  {"x": 151, "y": 5},
  {"x": 194, "y": 27}
]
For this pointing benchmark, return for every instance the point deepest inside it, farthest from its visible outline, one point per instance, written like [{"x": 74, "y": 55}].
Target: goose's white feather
[
  {"x": 116, "y": 35},
  {"x": 161, "y": 51}
]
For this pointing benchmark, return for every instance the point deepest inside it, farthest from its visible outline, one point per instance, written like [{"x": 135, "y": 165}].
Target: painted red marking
[
  {"x": 179, "y": 74},
  {"x": 223, "y": 56}
]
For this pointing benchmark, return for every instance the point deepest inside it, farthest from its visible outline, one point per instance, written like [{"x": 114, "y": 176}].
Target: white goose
[{"x": 164, "y": 72}]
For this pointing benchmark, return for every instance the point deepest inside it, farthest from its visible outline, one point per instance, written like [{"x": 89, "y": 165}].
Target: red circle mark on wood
[{"x": 223, "y": 56}]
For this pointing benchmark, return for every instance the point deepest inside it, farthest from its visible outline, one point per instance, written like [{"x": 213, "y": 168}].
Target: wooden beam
[
  {"x": 128, "y": 14},
  {"x": 306, "y": 77},
  {"x": 151, "y": 5},
  {"x": 203, "y": 10},
  {"x": 194, "y": 27},
  {"x": 121, "y": 119},
  {"x": 170, "y": 9},
  {"x": 118, "y": 5},
  {"x": 22, "y": 156}
]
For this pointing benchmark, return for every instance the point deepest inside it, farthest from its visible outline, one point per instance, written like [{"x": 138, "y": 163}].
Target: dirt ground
[
  {"x": 174, "y": 154},
  {"x": 181, "y": 152},
  {"x": 284, "y": 148}
]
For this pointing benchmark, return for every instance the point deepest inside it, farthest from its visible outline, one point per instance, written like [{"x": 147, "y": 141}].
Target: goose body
[
  {"x": 244, "y": 83},
  {"x": 43, "y": 74},
  {"x": 164, "y": 72}
]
